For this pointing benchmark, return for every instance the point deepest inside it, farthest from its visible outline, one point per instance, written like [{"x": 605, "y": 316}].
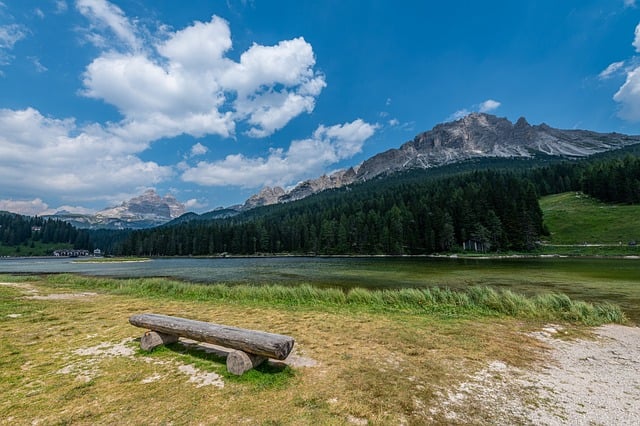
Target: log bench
[{"x": 250, "y": 348}]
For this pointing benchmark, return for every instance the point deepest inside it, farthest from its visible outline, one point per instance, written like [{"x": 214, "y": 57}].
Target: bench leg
[
  {"x": 152, "y": 339},
  {"x": 239, "y": 362}
]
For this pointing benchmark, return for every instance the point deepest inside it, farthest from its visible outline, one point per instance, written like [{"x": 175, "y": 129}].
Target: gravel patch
[
  {"x": 591, "y": 381},
  {"x": 585, "y": 382},
  {"x": 63, "y": 296}
]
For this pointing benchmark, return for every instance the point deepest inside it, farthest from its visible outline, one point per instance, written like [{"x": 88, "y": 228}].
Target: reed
[{"x": 473, "y": 301}]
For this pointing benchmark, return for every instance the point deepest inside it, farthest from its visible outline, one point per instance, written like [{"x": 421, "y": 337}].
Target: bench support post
[
  {"x": 153, "y": 339},
  {"x": 239, "y": 362}
]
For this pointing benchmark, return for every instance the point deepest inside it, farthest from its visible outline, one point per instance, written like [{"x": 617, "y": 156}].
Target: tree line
[
  {"x": 494, "y": 210},
  {"x": 615, "y": 180},
  {"x": 18, "y": 230}
]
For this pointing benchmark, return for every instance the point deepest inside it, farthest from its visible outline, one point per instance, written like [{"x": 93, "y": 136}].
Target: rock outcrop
[{"x": 485, "y": 135}]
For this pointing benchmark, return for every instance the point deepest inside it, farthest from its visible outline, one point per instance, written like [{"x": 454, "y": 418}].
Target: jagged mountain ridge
[
  {"x": 474, "y": 136},
  {"x": 144, "y": 211}
]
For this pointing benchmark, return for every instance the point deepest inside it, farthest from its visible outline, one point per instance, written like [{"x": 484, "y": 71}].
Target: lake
[{"x": 590, "y": 279}]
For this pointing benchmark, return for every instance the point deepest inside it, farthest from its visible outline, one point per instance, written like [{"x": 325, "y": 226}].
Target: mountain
[
  {"x": 144, "y": 211},
  {"x": 485, "y": 135},
  {"x": 477, "y": 135}
]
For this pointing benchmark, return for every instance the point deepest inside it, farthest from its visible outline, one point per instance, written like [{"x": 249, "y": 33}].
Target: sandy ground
[{"x": 584, "y": 382}]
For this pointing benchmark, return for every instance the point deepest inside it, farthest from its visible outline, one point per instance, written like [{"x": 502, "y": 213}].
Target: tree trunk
[{"x": 268, "y": 345}]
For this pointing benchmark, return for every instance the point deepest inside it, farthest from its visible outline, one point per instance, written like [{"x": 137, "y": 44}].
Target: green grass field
[
  {"x": 68, "y": 354},
  {"x": 575, "y": 219},
  {"x": 35, "y": 249}
]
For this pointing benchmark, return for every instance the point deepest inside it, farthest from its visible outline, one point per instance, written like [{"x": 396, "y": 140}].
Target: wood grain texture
[{"x": 269, "y": 345}]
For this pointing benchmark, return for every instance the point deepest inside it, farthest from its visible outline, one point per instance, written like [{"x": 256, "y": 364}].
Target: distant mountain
[
  {"x": 477, "y": 135},
  {"x": 484, "y": 135},
  {"x": 144, "y": 211}
]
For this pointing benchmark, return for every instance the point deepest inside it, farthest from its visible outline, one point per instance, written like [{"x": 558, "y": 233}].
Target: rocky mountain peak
[
  {"x": 485, "y": 135},
  {"x": 149, "y": 204},
  {"x": 473, "y": 136},
  {"x": 265, "y": 197}
]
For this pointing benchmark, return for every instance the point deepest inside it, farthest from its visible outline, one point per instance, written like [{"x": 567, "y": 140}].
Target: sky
[{"x": 212, "y": 100}]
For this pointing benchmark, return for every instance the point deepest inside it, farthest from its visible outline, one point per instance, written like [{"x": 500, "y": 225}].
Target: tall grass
[{"x": 476, "y": 300}]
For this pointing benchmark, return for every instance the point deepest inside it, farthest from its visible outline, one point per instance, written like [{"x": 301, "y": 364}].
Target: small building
[
  {"x": 70, "y": 253},
  {"x": 97, "y": 252}
]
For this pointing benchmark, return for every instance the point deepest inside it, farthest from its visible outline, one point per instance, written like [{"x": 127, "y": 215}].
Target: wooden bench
[{"x": 250, "y": 347}]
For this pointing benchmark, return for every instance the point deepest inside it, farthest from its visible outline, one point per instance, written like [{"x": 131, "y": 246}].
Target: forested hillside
[
  {"x": 495, "y": 210},
  {"x": 482, "y": 204},
  {"x": 17, "y": 230},
  {"x": 611, "y": 180},
  {"x": 417, "y": 212}
]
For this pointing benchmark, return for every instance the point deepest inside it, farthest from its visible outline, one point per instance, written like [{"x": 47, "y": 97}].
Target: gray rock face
[
  {"x": 144, "y": 211},
  {"x": 485, "y": 135},
  {"x": 146, "y": 206},
  {"x": 268, "y": 195},
  {"x": 265, "y": 197},
  {"x": 324, "y": 182}
]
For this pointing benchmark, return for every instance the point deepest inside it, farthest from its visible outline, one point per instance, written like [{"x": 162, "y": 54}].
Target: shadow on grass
[{"x": 268, "y": 375}]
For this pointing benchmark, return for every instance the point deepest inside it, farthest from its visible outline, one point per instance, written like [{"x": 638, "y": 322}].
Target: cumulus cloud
[
  {"x": 24, "y": 207},
  {"x": 186, "y": 84},
  {"x": 629, "y": 3},
  {"x": 183, "y": 83},
  {"x": 40, "y": 154},
  {"x": 488, "y": 105},
  {"x": 198, "y": 149},
  {"x": 303, "y": 159},
  {"x": 628, "y": 95}
]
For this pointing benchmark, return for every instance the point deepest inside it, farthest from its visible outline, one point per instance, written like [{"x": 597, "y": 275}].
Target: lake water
[{"x": 595, "y": 280}]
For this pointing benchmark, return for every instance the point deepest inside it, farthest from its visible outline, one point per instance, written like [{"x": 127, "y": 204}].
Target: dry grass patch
[{"x": 78, "y": 361}]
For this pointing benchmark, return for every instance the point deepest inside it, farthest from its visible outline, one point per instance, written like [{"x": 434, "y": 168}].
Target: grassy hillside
[
  {"x": 32, "y": 249},
  {"x": 574, "y": 218}
]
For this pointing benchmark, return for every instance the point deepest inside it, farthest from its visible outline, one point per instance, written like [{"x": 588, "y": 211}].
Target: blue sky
[{"x": 212, "y": 100}]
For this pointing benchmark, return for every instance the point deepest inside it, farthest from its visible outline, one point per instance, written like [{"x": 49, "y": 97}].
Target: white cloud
[
  {"x": 186, "y": 84},
  {"x": 10, "y": 34},
  {"x": 629, "y": 96},
  {"x": 65, "y": 160},
  {"x": 37, "y": 64},
  {"x": 198, "y": 149},
  {"x": 61, "y": 6},
  {"x": 459, "y": 114},
  {"x": 636, "y": 39},
  {"x": 38, "y": 207},
  {"x": 611, "y": 70},
  {"x": 629, "y": 3},
  {"x": 488, "y": 105},
  {"x": 394, "y": 122},
  {"x": 304, "y": 158},
  {"x": 24, "y": 207},
  {"x": 103, "y": 14}
]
